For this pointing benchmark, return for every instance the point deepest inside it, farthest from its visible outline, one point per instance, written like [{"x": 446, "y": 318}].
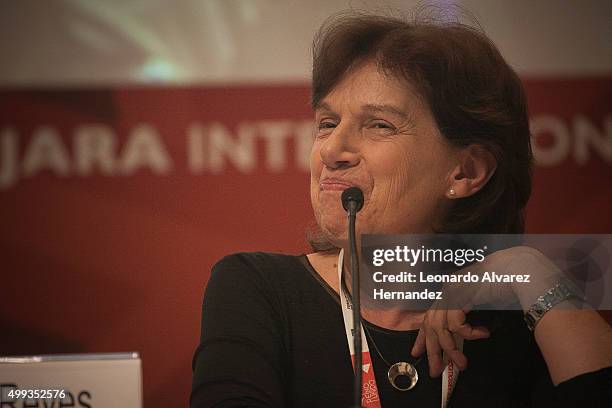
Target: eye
[
  {"x": 325, "y": 128},
  {"x": 326, "y": 124},
  {"x": 382, "y": 125}
]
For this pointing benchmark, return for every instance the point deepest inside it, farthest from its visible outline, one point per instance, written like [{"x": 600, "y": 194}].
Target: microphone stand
[
  {"x": 356, "y": 295},
  {"x": 352, "y": 202}
]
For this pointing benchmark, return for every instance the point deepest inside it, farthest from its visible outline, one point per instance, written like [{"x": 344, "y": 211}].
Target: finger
[
  {"x": 439, "y": 324},
  {"x": 419, "y": 344},
  {"x": 472, "y": 333},
  {"x": 434, "y": 354},
  {"x": 457, "y": 324},
  {"x": 458, "y": 358},
  {"x": 446, "y": 340}
]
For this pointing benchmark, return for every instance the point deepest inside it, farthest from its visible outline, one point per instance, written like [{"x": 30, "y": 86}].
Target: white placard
[{"x": 87, "y": 381}]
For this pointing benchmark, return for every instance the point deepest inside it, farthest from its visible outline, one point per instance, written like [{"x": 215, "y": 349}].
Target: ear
[{"x": 475, "y": 168}]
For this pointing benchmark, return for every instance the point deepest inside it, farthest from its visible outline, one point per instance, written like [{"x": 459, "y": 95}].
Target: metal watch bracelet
[{"x": 547, "y": 301}]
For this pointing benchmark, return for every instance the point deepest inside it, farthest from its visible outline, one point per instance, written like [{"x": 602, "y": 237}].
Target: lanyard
[{"x": 370, "y": 397}]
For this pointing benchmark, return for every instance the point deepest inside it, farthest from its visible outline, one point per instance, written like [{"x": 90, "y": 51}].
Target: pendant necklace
[{"x": 399, "y": 369}]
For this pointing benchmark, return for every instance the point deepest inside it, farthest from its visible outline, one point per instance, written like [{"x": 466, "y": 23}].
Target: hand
[
  {"x": 443, "y": 325},
  {"x": 437, "y": 334}
]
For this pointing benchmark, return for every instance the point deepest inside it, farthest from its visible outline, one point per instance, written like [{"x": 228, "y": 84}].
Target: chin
[
  {"x": 334, "y": 229},
  {"x": 338, "y": 241}
]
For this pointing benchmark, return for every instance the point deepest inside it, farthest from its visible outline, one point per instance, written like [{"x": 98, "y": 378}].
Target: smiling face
[{"x": 374, "y": 132}]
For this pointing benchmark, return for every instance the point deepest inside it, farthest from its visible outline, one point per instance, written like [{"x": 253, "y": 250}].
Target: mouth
[{"x": 334, "y": 184}]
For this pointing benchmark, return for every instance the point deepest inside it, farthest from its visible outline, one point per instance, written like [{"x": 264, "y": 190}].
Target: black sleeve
[
  {"x": 239, "y": 361},
  {"x": 508, "y": 370},
  {"x": 593, "y": 390}
]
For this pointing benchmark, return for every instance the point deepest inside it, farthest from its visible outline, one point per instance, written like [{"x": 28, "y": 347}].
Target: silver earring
[{"x": 452, "y": 192}]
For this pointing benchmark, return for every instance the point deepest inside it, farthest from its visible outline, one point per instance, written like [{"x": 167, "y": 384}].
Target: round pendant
[{"x": 403, "y": 369}]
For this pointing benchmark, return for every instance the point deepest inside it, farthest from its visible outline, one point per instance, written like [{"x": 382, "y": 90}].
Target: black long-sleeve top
[{"x": 273, "y": 336}]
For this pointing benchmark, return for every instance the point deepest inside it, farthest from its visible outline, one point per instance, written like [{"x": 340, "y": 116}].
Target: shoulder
[
  {"x": 256, "y": 269},
  {"x": 257, "y": 259},
  {"x": 249, "y": 280},
  {"x": 287, "y": 278},
  {"x": 263, "y": 263}
]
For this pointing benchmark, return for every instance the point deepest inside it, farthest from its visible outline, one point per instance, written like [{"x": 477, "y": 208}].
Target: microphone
[
  {"x": 352, "y": 202},
  {"x": 352, "y": 198}
]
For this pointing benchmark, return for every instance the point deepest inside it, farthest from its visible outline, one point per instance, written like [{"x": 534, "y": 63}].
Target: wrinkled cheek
[
  {"x": 316, "y": 206},
  {"x": 315, "y": 160},
  {"x": 329, "y": 212}
]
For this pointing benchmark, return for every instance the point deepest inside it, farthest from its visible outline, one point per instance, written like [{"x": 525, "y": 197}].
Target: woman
[{"x": 431, "y": 123}]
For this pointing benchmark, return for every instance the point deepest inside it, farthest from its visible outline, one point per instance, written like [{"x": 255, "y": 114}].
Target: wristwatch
[{"x": 547, "y": 301}]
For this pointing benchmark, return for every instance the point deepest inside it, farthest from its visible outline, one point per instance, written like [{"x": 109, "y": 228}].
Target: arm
[
  {"x": 564, "y": 330},
  {"x": 572, "y": 341},
  {"x": 238, "y": 362}
]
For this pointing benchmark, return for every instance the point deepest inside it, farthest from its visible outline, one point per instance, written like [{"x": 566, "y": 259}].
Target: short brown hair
[{"x": 474, "y": 95}]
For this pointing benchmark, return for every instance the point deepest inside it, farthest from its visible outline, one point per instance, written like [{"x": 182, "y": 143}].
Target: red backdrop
[{"x": 115, "y": 203}]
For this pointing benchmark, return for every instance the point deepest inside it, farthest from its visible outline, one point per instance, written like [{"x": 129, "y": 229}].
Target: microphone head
[{"x": 352, "y": 194}]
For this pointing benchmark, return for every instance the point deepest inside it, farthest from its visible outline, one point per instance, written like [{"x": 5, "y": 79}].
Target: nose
[{"x": 341, "y": 149}]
